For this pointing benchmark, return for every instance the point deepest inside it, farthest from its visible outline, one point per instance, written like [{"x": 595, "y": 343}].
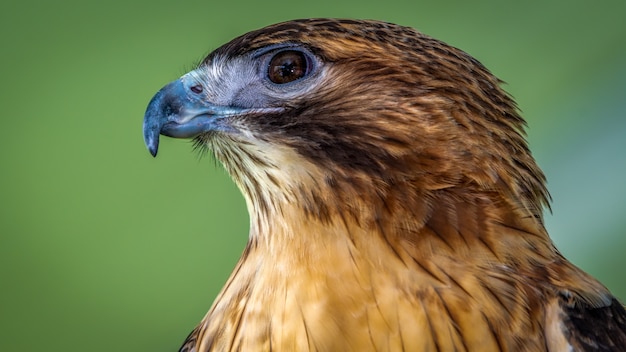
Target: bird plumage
[{"x": 393, "y": 199}]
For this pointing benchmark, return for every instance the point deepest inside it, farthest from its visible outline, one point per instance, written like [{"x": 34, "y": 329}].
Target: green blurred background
[{"x": 103, "y": 248}]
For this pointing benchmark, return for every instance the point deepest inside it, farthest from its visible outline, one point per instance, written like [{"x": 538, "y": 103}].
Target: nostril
[{"x": 196, "y": 89}]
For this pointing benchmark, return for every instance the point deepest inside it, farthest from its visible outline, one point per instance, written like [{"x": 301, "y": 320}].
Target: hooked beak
[{"x": 179, "y": 111}]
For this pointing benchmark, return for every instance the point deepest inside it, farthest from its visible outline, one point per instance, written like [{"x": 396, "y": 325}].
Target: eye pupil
[{"x": 287, "y": 66}]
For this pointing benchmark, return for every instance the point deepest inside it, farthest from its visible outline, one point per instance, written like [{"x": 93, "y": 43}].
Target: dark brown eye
[{"x": 287, "y": 66}]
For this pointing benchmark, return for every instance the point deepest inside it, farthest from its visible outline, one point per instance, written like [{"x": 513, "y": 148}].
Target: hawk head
[{"x": 336, "y": 116}]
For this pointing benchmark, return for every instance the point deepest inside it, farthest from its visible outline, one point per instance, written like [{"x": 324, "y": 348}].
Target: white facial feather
[
  {"x": 272, "y": 183},
  {"x": 222, "y": 79}
]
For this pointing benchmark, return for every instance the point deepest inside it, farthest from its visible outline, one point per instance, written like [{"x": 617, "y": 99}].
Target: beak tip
[
  {"x": 152, "y": 143},
  {"x": 151, "y": 137}
]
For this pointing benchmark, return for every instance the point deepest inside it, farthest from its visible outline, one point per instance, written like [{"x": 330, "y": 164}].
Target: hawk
[{"x": 394, "y": 203}]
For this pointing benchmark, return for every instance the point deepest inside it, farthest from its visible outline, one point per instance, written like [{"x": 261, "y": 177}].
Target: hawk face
[{"x": 323, "y": 109}]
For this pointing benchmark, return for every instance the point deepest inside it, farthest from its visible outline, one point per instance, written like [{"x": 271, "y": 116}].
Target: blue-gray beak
[{"x": 181, "y": 111}]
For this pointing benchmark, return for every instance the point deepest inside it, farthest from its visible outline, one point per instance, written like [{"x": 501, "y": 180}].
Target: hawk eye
[{"x": 287, "y": 66}]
